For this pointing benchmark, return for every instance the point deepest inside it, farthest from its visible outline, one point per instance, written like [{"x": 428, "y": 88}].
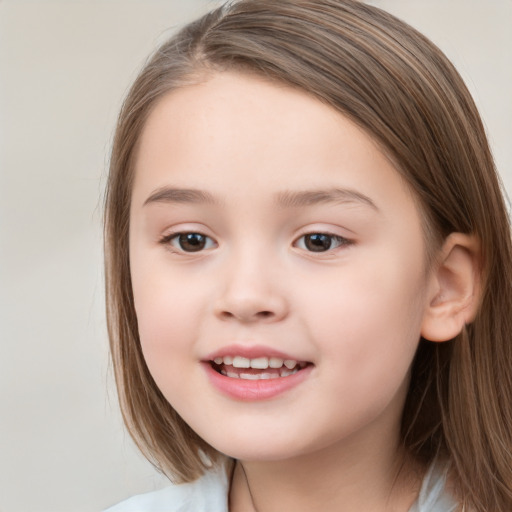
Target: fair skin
[{"x": 263, "y": 221}]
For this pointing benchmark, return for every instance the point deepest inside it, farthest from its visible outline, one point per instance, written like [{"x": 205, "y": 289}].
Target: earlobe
[{"x": 455, "y": 285}]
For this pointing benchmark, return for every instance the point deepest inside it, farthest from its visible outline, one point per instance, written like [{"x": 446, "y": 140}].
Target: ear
[{"x": 455, "y": 288}]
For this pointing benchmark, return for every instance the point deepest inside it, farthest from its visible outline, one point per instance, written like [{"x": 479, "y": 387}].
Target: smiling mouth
[{"x": 259, "y": 368}]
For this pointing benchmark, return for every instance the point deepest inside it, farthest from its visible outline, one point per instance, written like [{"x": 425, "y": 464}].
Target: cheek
[
  {"x": 168, "y": 325},
  {"x": 367, "y": 340},
  {"x": 367, "y": 320},
  {"x": 167, "y": 308},
  {"x": 165, "y": 315}
]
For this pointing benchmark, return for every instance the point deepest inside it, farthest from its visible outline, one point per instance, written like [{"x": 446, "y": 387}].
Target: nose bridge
[{"x": 250, "y": 289}]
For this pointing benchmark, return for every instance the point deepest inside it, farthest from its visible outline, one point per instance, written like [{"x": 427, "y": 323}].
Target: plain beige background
[{"x": 64, "y": 68}]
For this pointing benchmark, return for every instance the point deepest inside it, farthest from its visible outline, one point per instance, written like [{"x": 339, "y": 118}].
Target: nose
[{"x": 250, "y": 293}]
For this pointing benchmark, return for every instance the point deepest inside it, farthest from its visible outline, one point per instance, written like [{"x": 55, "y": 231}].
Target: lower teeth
[{"x": 259, "y": 376}]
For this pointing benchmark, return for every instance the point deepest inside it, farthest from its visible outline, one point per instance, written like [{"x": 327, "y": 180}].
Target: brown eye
[
  {"x": 191, "y": 242},
  {"x": 320, "y": 242}
]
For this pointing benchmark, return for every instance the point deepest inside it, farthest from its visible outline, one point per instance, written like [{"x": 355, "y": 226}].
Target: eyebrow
[
  {"x": 285, "y": 199},
  {"x": 179, "y": 195},
  {"x": 289, "y": 199}
]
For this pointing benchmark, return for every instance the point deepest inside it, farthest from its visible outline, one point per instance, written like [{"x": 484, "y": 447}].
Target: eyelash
[
  {"x": 317, "y": 238},
  {"x": 333, "y": 239},
  {"x": 179, "y": 237}
]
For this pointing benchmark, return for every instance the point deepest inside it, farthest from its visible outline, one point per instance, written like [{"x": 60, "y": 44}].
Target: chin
[{"x": 259, "y": 447}]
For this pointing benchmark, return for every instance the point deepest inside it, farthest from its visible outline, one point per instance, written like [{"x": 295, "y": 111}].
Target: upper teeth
[{"x": 260, "y": 363}]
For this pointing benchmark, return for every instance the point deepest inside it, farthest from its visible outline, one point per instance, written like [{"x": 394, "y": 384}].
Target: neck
[{"x": 341, "y": 478}]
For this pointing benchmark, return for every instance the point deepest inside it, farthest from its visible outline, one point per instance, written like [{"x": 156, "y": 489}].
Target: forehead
[
  {"x": 228, "y": 110},
  {"x": 237, "y": 134}
]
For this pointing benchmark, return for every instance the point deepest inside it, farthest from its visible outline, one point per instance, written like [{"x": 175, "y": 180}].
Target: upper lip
[{"x": 251, "y": 352}]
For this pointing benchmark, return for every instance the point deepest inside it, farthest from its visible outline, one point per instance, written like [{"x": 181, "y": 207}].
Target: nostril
[
  {"x": 250, "y": 307},
  {"x": 259, "y": 315}
]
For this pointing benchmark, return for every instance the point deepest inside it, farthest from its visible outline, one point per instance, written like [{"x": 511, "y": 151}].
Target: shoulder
[{"x": 208, "y": 494}]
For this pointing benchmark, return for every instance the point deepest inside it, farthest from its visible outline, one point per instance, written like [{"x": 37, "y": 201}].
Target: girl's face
[{"x": 266, "y": 227}]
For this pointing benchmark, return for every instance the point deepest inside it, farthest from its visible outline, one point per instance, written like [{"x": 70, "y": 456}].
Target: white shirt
[{"x": 210, "y": 494}]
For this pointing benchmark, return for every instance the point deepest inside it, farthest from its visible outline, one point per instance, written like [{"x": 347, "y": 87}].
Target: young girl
[{"x": 308, "y": 265}]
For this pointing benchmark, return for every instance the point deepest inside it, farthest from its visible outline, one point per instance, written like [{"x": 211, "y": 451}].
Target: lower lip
[{"x": 254, "y": 390}]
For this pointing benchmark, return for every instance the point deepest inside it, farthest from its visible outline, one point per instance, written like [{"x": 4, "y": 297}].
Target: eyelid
[
  {"x": 167, "y": 239},
  {"x": 184, "y": 227},
  {"x": 342, "y": 241}
]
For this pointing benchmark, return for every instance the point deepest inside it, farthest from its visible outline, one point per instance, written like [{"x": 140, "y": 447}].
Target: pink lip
[
  {"x": 250, "y": 352},
  {"x": 253, "y": 390}
]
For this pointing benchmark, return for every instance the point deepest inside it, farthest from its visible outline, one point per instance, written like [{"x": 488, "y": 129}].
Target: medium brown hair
[{"x": 402, "y": 90}]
